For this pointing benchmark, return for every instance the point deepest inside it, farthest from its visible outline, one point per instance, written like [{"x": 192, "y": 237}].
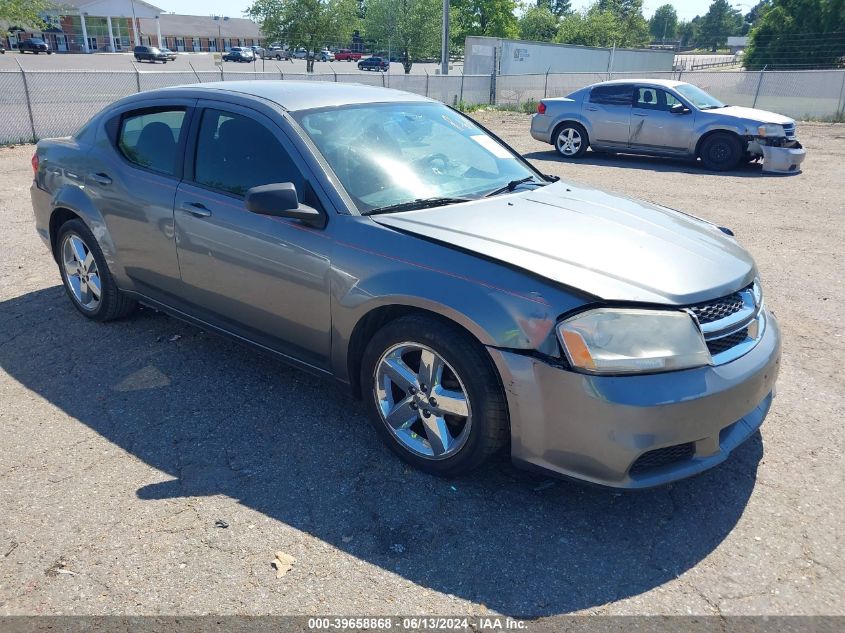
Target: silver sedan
[
  {"x": 391, "y": 243},
  {"x": 666, "y": 118}
]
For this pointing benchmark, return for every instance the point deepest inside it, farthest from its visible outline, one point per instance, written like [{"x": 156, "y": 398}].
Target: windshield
[
  {"x": 698, "y": 97},
  {"x": 388, "y": 154}
]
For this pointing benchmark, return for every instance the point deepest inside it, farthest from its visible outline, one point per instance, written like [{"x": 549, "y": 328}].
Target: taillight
[
  {"x": 541, "y": 108},
  {"x": 35, "y": 164}
]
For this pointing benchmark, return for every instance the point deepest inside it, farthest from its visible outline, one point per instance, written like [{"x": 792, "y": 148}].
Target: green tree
[
  {"x": 538, "y": 23},
  {"x": 798, "y": 34},
  {"x": 22, "y": 13},
  {"x": 411, "y": 26},
  {"x": 494, "y": 18},
  {"x": 664, "y": 23},
  {"x": 311, "y": 24},
  {"x": 688, "y": 31},
  {"x": 753, "y": 16},
  {"x": 606, "y": 23},
  {"x": 720, "y": 21},
  {"x": 559, "y": 8}
]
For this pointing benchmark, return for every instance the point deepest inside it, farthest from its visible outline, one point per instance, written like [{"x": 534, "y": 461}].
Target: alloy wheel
[
  {"x": 422, "y": 401},
  {"x": 569, "y": 141},
  {"x": 81, "y": 272}
]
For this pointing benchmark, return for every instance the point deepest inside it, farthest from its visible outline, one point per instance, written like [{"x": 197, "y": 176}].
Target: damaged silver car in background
[{"x": 667, "y": 118}]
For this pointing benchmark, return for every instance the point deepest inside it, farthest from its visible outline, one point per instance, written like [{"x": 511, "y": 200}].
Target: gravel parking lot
[{"x": 124, "y": 444}]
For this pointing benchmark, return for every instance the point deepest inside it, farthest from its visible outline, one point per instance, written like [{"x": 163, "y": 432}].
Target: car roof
[
  {"x": 299, "y": 95},
  {"x": 666, "y": 83}
]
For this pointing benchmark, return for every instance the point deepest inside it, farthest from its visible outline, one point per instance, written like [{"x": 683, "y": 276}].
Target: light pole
[{"x": 444, "y": 50}]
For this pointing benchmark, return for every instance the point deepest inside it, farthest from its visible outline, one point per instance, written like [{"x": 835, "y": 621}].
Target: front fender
[{"x": 500, "y": 306}]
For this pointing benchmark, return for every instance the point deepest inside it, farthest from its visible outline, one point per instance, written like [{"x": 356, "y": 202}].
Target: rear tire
[
  {"x": 721, "y": 151},
  {"x": 571, "y": 140},
  {"x": 445, "y": 438},
  {"x": 83, "y": 268}
]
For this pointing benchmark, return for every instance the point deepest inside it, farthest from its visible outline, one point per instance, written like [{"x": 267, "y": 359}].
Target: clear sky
[{"x": 687, "y": 9}]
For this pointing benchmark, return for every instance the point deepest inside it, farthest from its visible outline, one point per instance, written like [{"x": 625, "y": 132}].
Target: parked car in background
[
  {"x": 171, "y": 55},
  {"x": 34, "y": 45},
  {"x": 238, "y": 54},
  {"x": 393, "y": 57},
  {"x": 346, "y": 55},
  {"x": 276, "y": 52},
  {"x": 373, "y": 63},
  {"x": 389, "y": 242},
  {"x": 325, "y": 55},
  {"x": 2, "y": 48},
  {"x": 300, "y": 53},
  {"x": 257, "y": 51},
  {"x": 666, "y": 118},
  {"x": 150, "y": 54}
]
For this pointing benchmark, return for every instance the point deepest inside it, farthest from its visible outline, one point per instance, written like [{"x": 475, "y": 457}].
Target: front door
[
  {"x": 260, "y": 277},
  {"x": 655, "y": 128},
  {"x": 608, "y": 110}
]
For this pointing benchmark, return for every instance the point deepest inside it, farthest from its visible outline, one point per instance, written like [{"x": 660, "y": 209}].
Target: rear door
[
  {"x": 654, "y": 128},
  {"x": 260, "y": 277},
  {"x": 132, "y": 176},
  {"x": 608, "y": 109}
]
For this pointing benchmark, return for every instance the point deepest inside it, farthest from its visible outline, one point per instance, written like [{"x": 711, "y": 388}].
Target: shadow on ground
[
  {"x": 651, "y": 163},
  {"x": 221, "y": 419}
]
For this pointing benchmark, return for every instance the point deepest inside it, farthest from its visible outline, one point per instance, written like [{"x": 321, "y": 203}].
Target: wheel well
[
  {"x": 562, "y": 123},
  {"x": 711, "y": 133},
  {"x": 57, "y": 219},
  {"x": 371, "y": 323}
]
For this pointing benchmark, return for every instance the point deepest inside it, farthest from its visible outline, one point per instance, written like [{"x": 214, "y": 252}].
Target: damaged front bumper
[
  {"x": 636, "y": 431},
  {"x": 780, "y": 155}
]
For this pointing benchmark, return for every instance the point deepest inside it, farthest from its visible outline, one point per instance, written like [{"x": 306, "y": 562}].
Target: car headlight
[
  {"x": 770, "y": 129},
  {"x": 629, "y": 341}
]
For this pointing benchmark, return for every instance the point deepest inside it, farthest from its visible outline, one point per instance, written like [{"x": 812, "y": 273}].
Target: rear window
[
  {"x": 621, "y": 94},
  {"x": 149, "y": 138}
]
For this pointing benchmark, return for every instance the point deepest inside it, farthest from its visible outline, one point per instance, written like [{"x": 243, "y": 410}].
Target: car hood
[
  {"x": 752, "y": 114},
  {"x": 606, "y": 245}
]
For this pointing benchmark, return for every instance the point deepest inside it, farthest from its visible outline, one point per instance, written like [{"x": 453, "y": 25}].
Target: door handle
[
  {"x": 642, "y": 115},
  {"x": 592, "y": 109},
  {"x": 197, "y": 209},
  {"x": 100, "y": 179}
]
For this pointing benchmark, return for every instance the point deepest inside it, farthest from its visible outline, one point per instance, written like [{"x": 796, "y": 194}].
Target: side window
[
  {"x": 615, "y": 94},
  {"x": 236, "y": 153},
  {"x": 670, "y": 100},
  {"x": 647, "y": 98},
  {"x": 150, "y": 138}
]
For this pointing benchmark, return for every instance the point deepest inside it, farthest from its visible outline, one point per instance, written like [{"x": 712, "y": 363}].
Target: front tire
[
  {"x": 721, "y": 152},
  {"x": 433, "y": 395},
  {"x": 86, "y": 275},
  {"x": 570, "y": 140}
]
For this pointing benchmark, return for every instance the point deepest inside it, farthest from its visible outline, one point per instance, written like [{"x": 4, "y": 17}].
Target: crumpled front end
[{"x": 781, "y": 154}]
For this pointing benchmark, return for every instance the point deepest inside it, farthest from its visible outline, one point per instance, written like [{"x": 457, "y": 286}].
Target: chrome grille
[
  {"x": 719, "y": 345},
  {"x": 719, "y": 309},
  {"x": 731, "y": 324}
]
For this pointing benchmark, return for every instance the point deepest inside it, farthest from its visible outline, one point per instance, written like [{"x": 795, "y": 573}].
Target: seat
[{"x": 156, "y": 147}]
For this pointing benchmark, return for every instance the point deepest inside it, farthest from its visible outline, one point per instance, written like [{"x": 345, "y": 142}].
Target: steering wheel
[{"x": 436, "y": 162}]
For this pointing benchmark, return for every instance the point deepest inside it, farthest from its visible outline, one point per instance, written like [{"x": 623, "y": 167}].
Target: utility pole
[{"x": 444, "y": 51}]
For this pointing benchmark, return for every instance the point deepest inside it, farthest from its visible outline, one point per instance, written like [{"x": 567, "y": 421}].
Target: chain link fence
[{"x": 39, "y": 104}]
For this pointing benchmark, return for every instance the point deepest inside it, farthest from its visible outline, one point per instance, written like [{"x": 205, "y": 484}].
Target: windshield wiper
[
  {"x": 513, "y": 184},
  {"x": 419, "y": 203}
]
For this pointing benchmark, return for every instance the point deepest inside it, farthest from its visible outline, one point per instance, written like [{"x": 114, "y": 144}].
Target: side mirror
[
  {"x": 280, "y": 200},
  {"x": 679, "y": 108}
]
